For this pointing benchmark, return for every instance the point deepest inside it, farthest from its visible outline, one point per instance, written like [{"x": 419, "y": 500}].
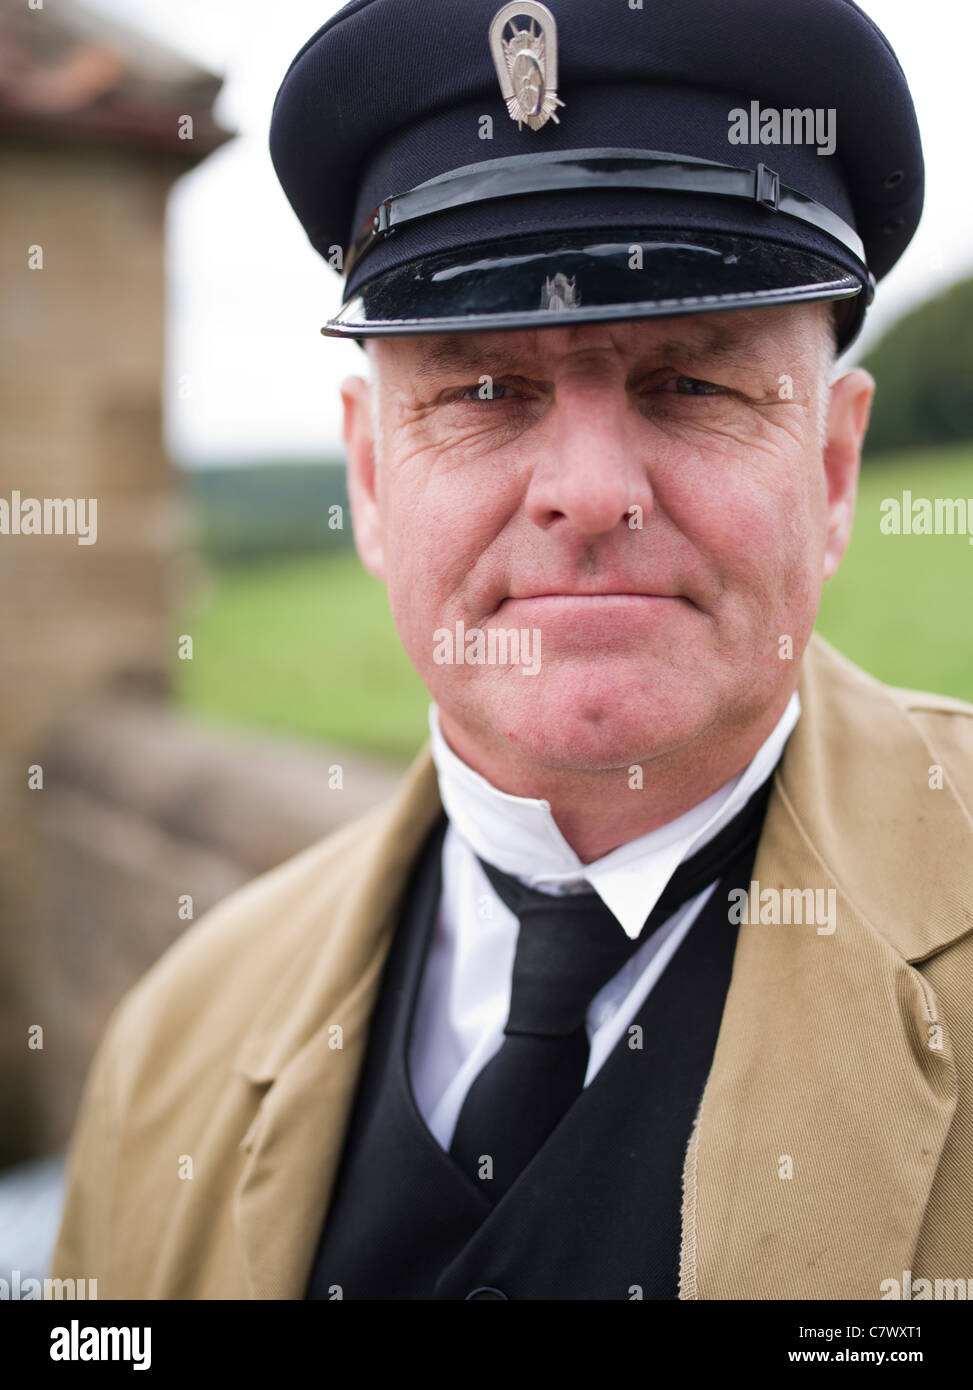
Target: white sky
[{"x": 247, "y": 295}]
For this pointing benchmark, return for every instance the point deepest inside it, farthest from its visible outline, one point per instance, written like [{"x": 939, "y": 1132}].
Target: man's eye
[
  {"x": 692, "y": 386},
  {"x": 484, "y": 391}
]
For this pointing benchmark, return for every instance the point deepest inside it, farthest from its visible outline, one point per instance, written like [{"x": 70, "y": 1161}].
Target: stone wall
[
  {"x": 81, "y": 362},
  {"x": 80, "y": 372}
]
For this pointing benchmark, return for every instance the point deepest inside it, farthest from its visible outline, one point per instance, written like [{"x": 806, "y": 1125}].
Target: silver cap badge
[
  {"x": 526, "y": 63},
  {"x": 560, "y": 293}
]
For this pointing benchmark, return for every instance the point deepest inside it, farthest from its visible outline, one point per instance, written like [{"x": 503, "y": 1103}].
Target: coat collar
[
  {"x": 855, "y": 782},
  {"x": 850, "y": 801}
]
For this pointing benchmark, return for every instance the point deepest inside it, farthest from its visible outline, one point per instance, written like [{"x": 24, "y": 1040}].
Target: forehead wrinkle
[{"x": 722, "y": 343}]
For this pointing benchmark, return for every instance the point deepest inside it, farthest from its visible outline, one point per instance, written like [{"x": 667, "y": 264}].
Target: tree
[{"x": 923, "y": 368}]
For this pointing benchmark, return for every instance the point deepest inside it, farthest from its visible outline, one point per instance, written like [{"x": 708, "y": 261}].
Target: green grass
[
  {"x": 902, "y": 606},
  {"x": 307, "y": 646}
]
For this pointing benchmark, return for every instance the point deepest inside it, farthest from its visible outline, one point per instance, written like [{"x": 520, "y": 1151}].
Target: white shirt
[{"x": 464, "y": 994}]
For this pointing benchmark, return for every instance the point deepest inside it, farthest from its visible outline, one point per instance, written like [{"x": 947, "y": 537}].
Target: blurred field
[
  {"x": 307, "y": 646},
  {"x": 902, "y": 606}
]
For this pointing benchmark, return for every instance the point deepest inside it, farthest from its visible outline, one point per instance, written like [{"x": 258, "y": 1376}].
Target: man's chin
[{"x": 588, "y": 719}]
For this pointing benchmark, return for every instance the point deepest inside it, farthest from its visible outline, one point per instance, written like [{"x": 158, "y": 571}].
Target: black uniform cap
[{"x": 392, "y": 139}]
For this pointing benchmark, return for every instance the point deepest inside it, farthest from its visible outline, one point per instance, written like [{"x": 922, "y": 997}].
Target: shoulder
[
  {"x": 202, "y": 994},
  {"x": 880, "y": 780},
  {"x": 170, "y": 1057},
  {"x": 827, "y": 663},
  {"x": 940, "y": 711},
  {"x": 946, "y": 725},
  {"x": 943, "y": 722}
]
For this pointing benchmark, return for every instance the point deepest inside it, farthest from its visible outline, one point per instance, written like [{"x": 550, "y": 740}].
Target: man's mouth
[
  {"x": 586, "y": 606},
  {"x": 592, "y": 596}
]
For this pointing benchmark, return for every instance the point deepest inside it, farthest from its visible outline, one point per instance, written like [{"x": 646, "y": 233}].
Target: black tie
[{"x": 568, "y": 948}]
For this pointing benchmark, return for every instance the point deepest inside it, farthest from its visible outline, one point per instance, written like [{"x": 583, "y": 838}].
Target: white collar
[{"x": 519, "y": 835}]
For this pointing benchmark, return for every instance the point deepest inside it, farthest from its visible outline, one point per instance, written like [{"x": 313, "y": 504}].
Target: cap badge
[
  {"x": 560, "y": 293},
  {"x": 526, "y": 63}
]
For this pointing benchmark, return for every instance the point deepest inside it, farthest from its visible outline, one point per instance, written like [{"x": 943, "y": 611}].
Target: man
[{"x": 653, "y": 980}]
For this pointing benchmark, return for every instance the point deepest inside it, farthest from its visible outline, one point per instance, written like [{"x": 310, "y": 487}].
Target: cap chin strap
[{"x": 563, "y": 170}]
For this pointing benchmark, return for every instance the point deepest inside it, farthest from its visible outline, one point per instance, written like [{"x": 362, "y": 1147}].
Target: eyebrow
[
  {"x": 456, "y": 353},
  {"x": 721, "y": 342}
]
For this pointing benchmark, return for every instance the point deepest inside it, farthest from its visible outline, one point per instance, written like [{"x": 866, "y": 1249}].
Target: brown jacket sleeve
[{"x": 82, "y": 1250}]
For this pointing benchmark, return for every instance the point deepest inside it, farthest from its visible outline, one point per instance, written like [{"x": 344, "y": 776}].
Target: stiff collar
[{"x": 519, "y": 834}]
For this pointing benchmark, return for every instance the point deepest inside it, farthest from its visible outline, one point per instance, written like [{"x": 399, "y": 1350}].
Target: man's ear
[
  {"x": 848, "y": 412},
  {"x": 359, "y": 436}
]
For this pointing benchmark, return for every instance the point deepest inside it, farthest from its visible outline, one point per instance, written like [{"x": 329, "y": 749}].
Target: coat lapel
[
  {"x": 305, "y": 1051},
  {"x": 831, "y": 1092}
]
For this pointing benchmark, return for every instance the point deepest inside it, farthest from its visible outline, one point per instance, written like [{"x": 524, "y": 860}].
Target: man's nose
[{"x": 592, "y": 471}]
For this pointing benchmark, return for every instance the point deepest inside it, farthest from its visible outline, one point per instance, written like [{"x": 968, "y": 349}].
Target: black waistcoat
[{"x": 596, "y": 1214}]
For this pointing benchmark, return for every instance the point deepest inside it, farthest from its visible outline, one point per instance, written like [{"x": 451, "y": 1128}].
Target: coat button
[{"x": 484, "y": 1291}]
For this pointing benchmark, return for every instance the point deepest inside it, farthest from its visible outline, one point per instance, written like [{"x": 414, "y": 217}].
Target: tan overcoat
[{"x": 833, "y": 1149}]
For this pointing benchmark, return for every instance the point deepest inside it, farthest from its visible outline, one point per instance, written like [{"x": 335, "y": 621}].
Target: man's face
[{"x": 657, "y": 499}]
